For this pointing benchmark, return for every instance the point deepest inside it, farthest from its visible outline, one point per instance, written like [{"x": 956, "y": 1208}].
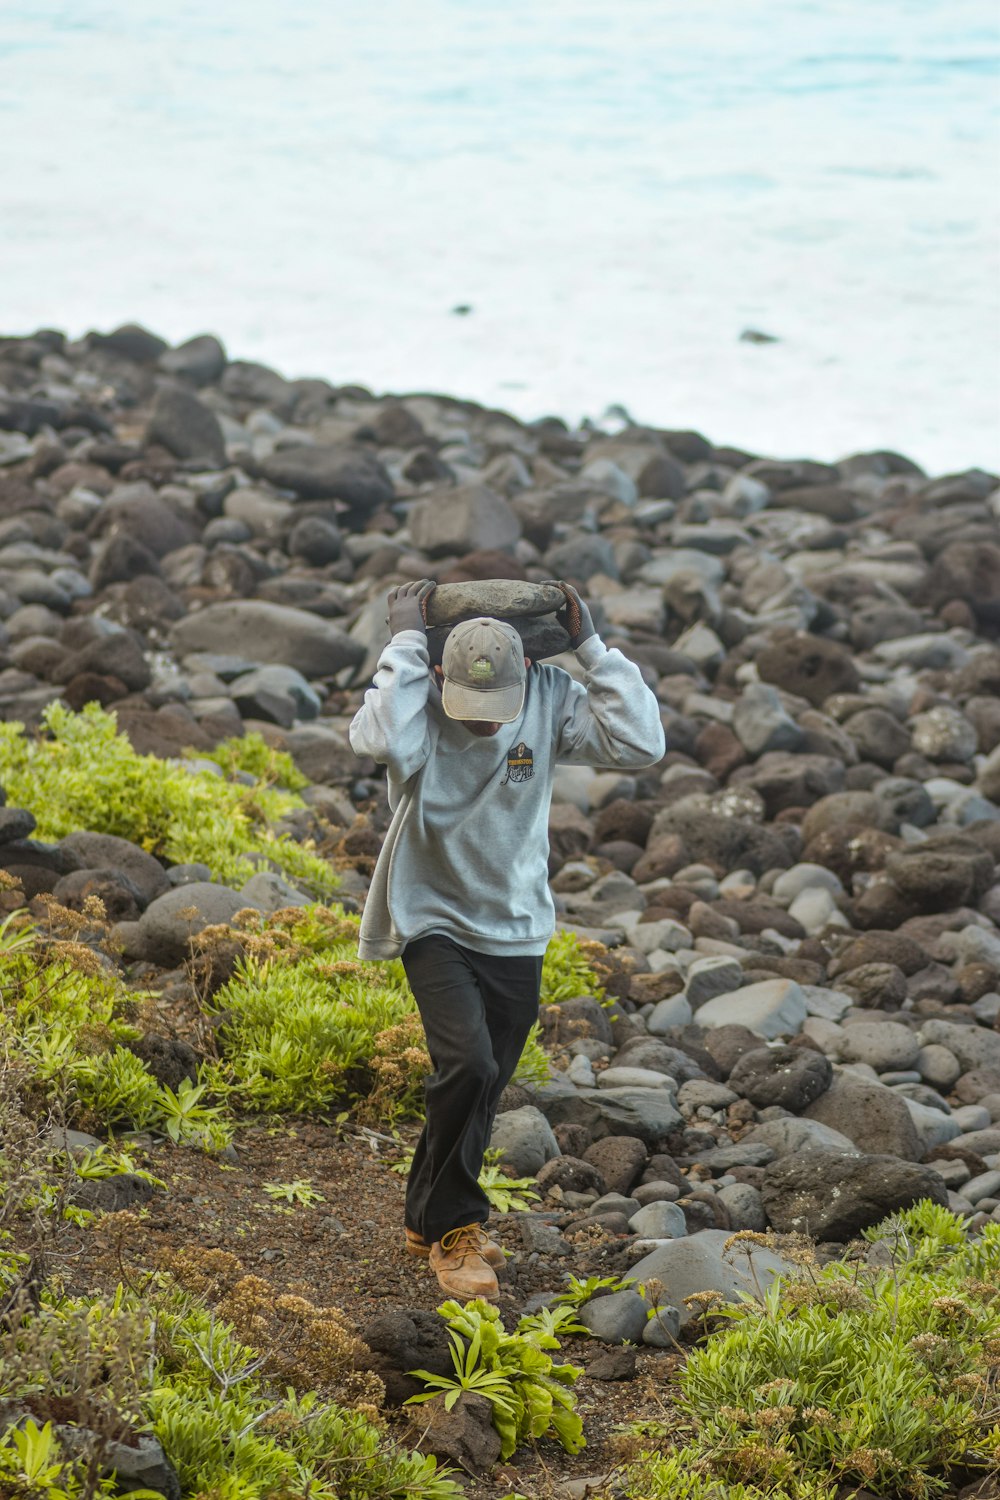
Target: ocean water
[{"x": 614, "y": 189}]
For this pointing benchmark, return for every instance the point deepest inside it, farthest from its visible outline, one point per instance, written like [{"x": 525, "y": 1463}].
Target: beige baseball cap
[{"x": 484, "y": 672}]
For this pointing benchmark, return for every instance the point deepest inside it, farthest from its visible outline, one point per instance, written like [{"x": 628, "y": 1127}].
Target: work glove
[
  {"x": 408, "y": 606},
  {"x": 574, "y": 617}
]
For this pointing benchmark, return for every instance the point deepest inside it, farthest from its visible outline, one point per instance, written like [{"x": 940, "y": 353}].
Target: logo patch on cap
[{"x": 482, "y": 669}]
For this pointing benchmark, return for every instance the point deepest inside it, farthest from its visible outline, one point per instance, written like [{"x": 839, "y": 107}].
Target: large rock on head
[
  {"x": 833, "y": 1196},
  {"x": 470, "y": 518},
  {"x": 263, "y": 632},
  {"x": 500, "y": 598}
]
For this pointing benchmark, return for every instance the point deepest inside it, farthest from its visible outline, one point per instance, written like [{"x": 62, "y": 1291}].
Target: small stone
[
  {"x": 618, "y": 1318},
  {"x": 659, "y": 1221}
]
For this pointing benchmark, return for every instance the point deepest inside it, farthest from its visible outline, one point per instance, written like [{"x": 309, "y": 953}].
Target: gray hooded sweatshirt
[{"x": 466, "y": 854}]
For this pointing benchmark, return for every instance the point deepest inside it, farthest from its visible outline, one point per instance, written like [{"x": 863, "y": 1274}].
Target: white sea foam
[{"x": 617, "y": 188}]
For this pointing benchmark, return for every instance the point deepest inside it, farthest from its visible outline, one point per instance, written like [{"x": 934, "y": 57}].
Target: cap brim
[{"x": 483, "y": 705}]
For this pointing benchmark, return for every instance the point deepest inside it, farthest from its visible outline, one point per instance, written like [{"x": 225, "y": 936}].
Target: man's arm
[
  {"x": 391, "y": 725},
  {"x": 612, "y": 720}
]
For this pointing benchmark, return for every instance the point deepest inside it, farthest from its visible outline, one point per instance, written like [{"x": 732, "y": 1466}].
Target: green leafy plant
[
  {"x": 506, "y": 1194},
  {"x": 83, "y": 774},
  {"x": 567, "y": 969},
  {"x": 301, "y": 1191},
  {"x": 528, "y": 1391},
  {"x": 880, "y": 1375},
  {"x": 580, "y": 1291},
  {"x": 251, "y": 755}
]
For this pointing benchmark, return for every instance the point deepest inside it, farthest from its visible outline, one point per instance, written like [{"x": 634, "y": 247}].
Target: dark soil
[{"x": 347, "y": 1251}]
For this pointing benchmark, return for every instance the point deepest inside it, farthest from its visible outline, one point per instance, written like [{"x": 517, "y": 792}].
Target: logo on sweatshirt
[{"x": 520, "y": 763}]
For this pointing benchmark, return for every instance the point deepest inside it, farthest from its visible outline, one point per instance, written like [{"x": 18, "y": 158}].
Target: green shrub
[
  {"x": 253, "y": 756},
  {"x": 84, "y": 775},
  {"x": 567, "y": 969},
  {"x": 527, "y": 1390},
  {"x": 306, "y": 1025},
  {"x": 880, "y": 1375},
  {"x": 69, "y": 1019},
  {"x": 161, "y": 1357}
]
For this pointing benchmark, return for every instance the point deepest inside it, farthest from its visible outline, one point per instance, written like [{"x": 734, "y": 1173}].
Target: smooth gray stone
[
  {"x": 501, "y": 598},
  {"x": 700, "y": 1263},
  {"x": 618, "y": 1318}
]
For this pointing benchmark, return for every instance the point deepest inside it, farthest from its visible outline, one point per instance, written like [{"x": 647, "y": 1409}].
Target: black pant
[{"x": 477, "y": 1010}]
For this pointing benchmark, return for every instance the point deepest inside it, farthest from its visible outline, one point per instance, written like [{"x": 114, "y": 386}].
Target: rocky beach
[{"x": 778, "y": 1011}]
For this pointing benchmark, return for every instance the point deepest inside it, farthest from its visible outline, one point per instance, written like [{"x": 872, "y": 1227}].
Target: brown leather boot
[
  {"x": 489, "y": 1249},
  {"x": 457, "y": 1261}
]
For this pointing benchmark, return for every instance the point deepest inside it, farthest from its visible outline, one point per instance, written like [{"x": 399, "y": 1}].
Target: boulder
[
  {"x": 771, "y": 1008},
  {"x": 808, "y": 666},
  {"x": 872, "y": 1116},
  {"x": 792, "y": 1077},
  {"x": 469, "y": 518},
  {"x": 702, "y": 1263},
  {"x": 525, "y": 1139},
  {"x": 833, "y": 1196},
  {"x": 186, "y": 427},
  {"x": 168, "y": 924},
  {"x": 261, "y": 632},
  {"x": 352, "y": 475}
]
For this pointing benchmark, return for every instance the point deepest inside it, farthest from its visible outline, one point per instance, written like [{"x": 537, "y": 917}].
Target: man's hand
[
  {"x": 408, "y": 606},
  {"x": 574, "y": 617}
]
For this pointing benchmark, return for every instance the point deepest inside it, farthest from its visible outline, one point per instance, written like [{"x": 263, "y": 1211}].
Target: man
[{"x": 460, "y": 890}]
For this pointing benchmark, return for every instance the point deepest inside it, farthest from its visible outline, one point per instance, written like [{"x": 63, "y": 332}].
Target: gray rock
[
  {"x": 973, "y": 1046},
  {"x": 200, "y": 360},
  {"x": 618, "y": 1318},
  {"x": 668, "y": 1014},
  {"x": 761, "y": 724},
  {"x": 883, "y": 1045},
  {"x": 986, "y": 1185},
  {"x": 833, "y": 1196},
  {"x": 268, "y": 892},
  {"x": 700, "y": 1093},
  {"x": 805, "y": 877},
  {"x": 501, "y": 598},
  {"x": 648, "y": 1114},
  {"x": 709, "y": 977},
  {"x": 934, "y": 1127},
  {"x": 100, "y": 851},
  {"x": 268, "y": 633},
  {"x": 315, "y": 540},
  {"x": 943, "y": 733},
  {"x": 879, "y": 736},
  {"x": 663, "y": 1328},
  {"x": 772, "y": 1008},
  {"x": 168, "y": 924},
  {"x": 798, "y": 1135},
  {"x": 872, "y": 1116},
  {"x": 525, "y": 1138},
  {"x": 745, "y": 1207},
  {"x": 186, "y": 427},
  {"x": 469, "y": 518},
  {"x": 700, "y": 1263},
  {"x": 634, "y": 1078},
  {"x": 659, "y": 1221},
  {"x": 15, "y": 823},
  {"x": 329, "y": 473},
  {"x": 791, "y": 1077},
  {"x": 279, "y": 695}
]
